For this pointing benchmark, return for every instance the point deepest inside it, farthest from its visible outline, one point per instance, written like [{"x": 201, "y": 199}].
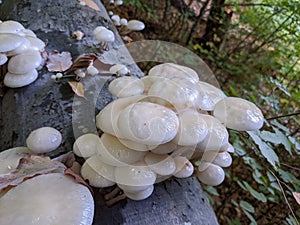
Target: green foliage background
[{"x": 253, "y": 48}]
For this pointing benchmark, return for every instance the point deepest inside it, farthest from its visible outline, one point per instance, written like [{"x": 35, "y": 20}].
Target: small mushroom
[
  {"x": 116, "y": 19},
  {"x": 184, "y": 168},
  {"x": 86, "y": 145},
  {"x": 3, "y": 59},
  {"x": 92, "y": 70},
  {"x": 25, "y": 62},
  {"x": 192, "y": 128},
  {"x": 217, "y": 136},
  {"x": 11, "y": 26},
  {"x": 126, "y": 86},
  {"x": 9, "y": 42},
  {"x": 47, "y": 199},
  {"x": 164, "y": 148},
  {"x": 78, "y": 35},
  {"x": 118, "y": 2},
  {"x": 119, "y": 69},
  {"x": 22, "y": 48},
  {"x": 135, "y": 25},
  {"x": 209, "y": 96},
  {"x": 9, "y": 159},
  {"x": 98, "y": 173},
  {"x": 104, "y": 35},
  {"x": 113, "y": 152},
  {"x": 239, "y": 114},
  {"x": 148, "y": 123},
  {"x": 162, "y": 165},
  {"x": 36, "y": 44},
  {"x": 137, "y": 175},
  {"x": 181, "y": 95},
  {"x": 172, "y": 70},
  {"x": 140, "y": 195},
  {"x": 107, "y": 118},
  {"x": 222, "y": 159},
  {"x": 44, "y": 139},
  {"x": 210, "y": 174},
  {"x": 28, "y": 33},
  {"x": 123, "y": 22},
  {"x": 19, "y": 80}
]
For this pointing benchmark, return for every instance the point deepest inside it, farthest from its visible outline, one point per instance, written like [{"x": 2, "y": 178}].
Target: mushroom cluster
[
  {"x": 49, "y": 198},
  {"x": 21, "y": 49},
  {"x": 158, "y": 126}
]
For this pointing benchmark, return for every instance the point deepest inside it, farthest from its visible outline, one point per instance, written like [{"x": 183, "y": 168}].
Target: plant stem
[{"x": 281, "y": 116}]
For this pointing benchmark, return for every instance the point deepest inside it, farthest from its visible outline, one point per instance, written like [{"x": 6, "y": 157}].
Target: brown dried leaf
[
  {"x": 82, "y": 61},
  {"x": 59, "y": 62},
  {"x": 91, "y": 4},
  {"x": 78, "y": 179},
  {"x": 29, "y": 166},
  {"x": 67, "y": 159},
  {"x": 77, "y": 87},
  {"x": 297, "y": 197},
  {"x": 102, "y": 67}
]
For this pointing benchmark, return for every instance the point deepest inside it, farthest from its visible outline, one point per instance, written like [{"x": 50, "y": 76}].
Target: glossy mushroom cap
[{"x": 135, "y": 25}]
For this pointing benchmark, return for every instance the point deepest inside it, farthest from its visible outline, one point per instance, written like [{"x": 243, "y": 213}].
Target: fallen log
[{"x": 46, "y": 103}]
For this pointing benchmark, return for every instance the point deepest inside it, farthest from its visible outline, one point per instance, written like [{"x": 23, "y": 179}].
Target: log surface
[{"x": 46, "y": 103}]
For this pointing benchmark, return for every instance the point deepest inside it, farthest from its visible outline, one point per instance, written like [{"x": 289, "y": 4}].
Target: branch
[
  {"x": 281, "y": 116},
  {"x": 249, "y": 4}
]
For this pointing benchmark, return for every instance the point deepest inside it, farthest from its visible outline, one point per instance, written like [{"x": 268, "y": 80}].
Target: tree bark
[{"x": 46, "y": 103}]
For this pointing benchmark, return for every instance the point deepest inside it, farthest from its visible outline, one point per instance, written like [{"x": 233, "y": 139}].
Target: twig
[
  {"x": 285, "y": 115},
  {"x": 290, "y": 166},
  {"x": 285, "y": 198}
]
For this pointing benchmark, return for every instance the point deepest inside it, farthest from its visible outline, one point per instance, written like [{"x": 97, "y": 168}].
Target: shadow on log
[{"x": 46, "y": 103}]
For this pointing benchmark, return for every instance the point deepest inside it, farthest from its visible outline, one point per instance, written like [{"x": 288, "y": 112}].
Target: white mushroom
[
  {"x": 19, "y": 80},
  {"x": 3, "y": 59},
  {"x": 160, "y": 164},
  {"x": 107, "y": 118},
  {"x": 239, "y": 114},
  {"x": 222, "y": 159},
  {"x": 210, "y": 174},
  {"x": 28, "y": 33},
  {"x": 22, "y": 48},
  {"x": 9, "y": 159},
  {"x": 172, "y": 70},
  {"x": 9, "y": 42},
  {"x": 164, "y": 148},
  {"x": 47, "y": 199},
  {"x": 181, "y": 95},
  {"x": 92, "y": 70},
  {"x": 137, "y": 175},
  {"x": 209, "y": 96},
  {"x": 123, "y": 22},
  {"x": 44, "y": 139},
  {"x": 11, "y": 26},
  {"x": 119, "y": 69},
  {"x": 113, "y": 152},
  {"x": 36, "y": 44},
  {"x": 78, "y": 35},
  {"x": 104, "y": 36},
  {"x": 184, "y": 168},
  {"x": 217, "y": 136},
  {"x": 135, "y": 25},
  {"x": 126, "y": 86},
  {"x": 118, "y": 2},
  {"x": 192, "y": 128},
  {"x": 25, "y": 62},
  {"x": 148, "y": 123},
  {"x": 227, "y": 148},
  {"x": 98, "y": 173},
  {"x": 148, "y": 81},
  {"x": 116, "y": 20},
  {"x": 141, "y": 195},
  {"x": 86, "y": 145},
  {"x": 98, "y": 29}
]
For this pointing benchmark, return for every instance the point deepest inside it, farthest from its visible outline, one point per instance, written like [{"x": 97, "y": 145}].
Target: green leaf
[
  {"x": 212, "y": 190},
  {"x": 265, "y": 149},
  {"x": 269, "y": 136},
  {"x": 247, "y": 206},
  {"x": 250, "y": 217},
  {"x": 254, "y": 193},
  {"x": 283, "y": 140}
]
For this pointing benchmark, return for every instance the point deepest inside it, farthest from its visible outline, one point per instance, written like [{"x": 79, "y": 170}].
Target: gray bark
[{"x": 46, "y": 103}]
